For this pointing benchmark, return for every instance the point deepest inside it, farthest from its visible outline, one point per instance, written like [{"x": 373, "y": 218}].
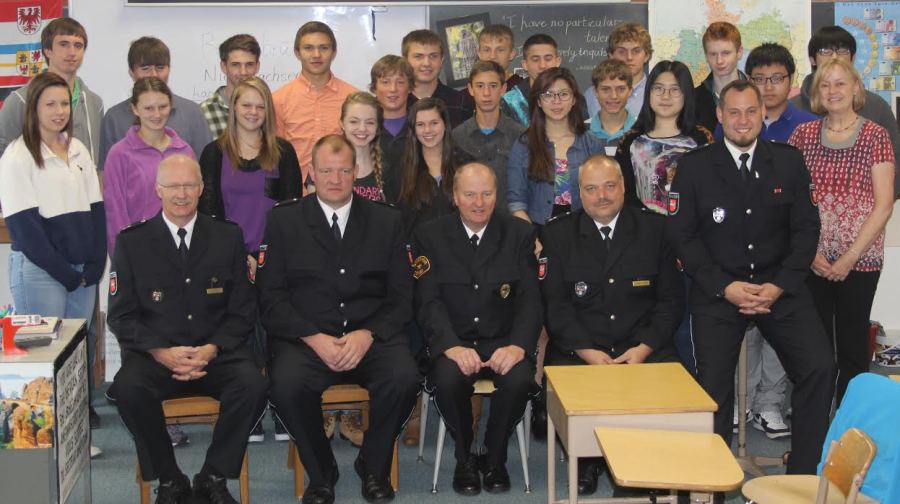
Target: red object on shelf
[{"x": 9, "y": 343}]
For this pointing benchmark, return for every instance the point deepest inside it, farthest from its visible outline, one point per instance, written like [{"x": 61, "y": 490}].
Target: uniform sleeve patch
[
  {"x": 542, "y": 268},
  {"x": 674, "y": 202},
  {"x": 261, "y": 260},
  {"x": 113, "y": 283},
  {"x": 421, "y": 265},
  {"x": 812, "y": 195}
]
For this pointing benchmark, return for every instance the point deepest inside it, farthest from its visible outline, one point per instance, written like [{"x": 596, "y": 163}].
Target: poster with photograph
[
  {"x": 460, "y": 36},
  {"x": 874, "y": 26},
  {"x": 26, "y": 406}
]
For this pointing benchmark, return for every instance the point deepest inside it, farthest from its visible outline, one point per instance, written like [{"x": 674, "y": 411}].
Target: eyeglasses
[
  {"x": 190, "y": 186},
  {"x": 828, "y": 51},
  {"x": 563, "y": 96},
  {"x": 760, "y": 80},
  {"x": 674, "y": 91}
]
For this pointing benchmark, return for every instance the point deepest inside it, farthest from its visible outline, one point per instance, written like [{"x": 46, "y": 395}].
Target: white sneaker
[
  {"x": 772, "y": 424},
  {"x": 95, "y": 452}
]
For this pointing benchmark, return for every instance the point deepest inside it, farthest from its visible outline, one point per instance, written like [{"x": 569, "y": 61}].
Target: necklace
[{"x": 841, "y": 130}]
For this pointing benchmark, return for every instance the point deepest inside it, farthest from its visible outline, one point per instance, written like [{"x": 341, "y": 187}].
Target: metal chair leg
[
  {"x": 439, "y": 451},
  {"x": 523, "y": 453},
  {"x": 423, "y": 421},
  {"x": 527, "y": 419}
]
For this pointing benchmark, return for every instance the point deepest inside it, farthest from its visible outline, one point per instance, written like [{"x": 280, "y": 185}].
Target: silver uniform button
[
  {"x": 342, "y": 271},
  {"x": 749, "y": 211},
  {"x": 612, "y": 317},
  {"x": 752, "y": 266},
  {"x": 345, "y": 323},
  {"x": 612, "y": 280},
  {"x": 190, "y": 317},
  {"x": 750, "y": 247},
  {"x": 187, "y": 280},
  {"x": 475, "y": 286},
  {"x": 342, "y": 305},
  {"x": 475, "y": 320}
]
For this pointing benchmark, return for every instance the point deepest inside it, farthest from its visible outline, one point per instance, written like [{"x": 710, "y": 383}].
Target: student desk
[
  {"x": 698, "y": 462},
  {"x": 644, "y": 396},
  {"x": 44, "y": 428}
]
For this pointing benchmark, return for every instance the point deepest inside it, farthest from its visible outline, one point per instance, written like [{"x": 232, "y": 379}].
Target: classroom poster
[
  {"x": 874, "y": 26},
  {"x": 21, "y": 22},
  {"x": 677, "y": 29},
  {"x": 26, "y": 409}
]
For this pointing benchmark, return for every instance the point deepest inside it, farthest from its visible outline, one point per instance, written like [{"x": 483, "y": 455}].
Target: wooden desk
[
  {"x": 698, "y": 462},
  {"x": 644, "y": 396},
  {"x": 47, "y": 387}
]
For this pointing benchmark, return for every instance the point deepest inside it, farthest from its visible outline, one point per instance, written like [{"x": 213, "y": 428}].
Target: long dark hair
[
  {"x": 31, "y": 128},
  {"x": 686, "y": 119},
  {"x": 540, "y": 159},
  {"x": 416, "y": 184}
]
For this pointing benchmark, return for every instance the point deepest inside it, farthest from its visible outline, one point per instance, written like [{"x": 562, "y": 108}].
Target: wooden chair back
[{"x": 846, "y": 465}]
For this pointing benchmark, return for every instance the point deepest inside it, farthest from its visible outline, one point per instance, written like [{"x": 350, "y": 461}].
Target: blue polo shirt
[{"x": 781, "y": 129}]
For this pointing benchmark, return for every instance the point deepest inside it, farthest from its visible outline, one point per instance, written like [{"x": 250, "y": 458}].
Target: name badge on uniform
[
  {"x": 504, "y": 290},
  {"x": 581, "y": 289},
  {"x": 718, "y": 215},
  {"x": 212, "y": 289},
  {"x": 156, "y": 296},
  {"x": 640, "y": 283}
]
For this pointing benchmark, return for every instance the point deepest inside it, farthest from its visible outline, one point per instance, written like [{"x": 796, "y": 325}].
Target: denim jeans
[{"x": 34, "y": 291}]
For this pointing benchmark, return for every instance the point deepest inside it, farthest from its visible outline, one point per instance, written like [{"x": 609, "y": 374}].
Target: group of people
[{"x": 330, "y": 235}]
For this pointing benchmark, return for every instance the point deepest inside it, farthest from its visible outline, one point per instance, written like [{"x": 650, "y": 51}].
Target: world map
[{"x": 677, "y": 27}]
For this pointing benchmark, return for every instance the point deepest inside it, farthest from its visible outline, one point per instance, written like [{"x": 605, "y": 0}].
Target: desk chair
[
  {"x": 483, "y": 387},
  {"x": 194, "y": 410},
  {"x": 749, "y": 463},
  {"x": 842, "y": 476},
  {"x": 336, "y": 398}
]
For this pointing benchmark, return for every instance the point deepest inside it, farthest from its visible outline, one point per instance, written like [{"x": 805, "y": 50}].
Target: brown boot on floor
[
  {"x": 411, "y": 436},
  {"x": 351, "y": 427}
]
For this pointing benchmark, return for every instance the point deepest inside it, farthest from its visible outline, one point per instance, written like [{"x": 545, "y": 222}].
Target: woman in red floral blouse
[{"x": 852, "y": 167}]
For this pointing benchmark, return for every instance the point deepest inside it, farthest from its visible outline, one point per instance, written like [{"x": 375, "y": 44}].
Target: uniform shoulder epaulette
[
  {"x": 133, "y": 225},
  {"x": 286, "y": 202},
  {"x": 782, "y": 144},
  {"x": 385, "y": 204},
  {"x": 225, "y": 220},
  {"x": 560, "y": 217}
]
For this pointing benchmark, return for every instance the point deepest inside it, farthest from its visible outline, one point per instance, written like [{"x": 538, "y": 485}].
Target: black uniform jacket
[
  {"x": 308, "y": 283},
  {"x": 483, "y": 298},
  {"x": 635, "y": 296},
  {"x": 723, "y": 229},
  {"x": 156, "y": 301}
]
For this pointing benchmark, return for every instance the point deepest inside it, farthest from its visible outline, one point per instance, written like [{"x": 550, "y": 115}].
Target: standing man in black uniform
[
  {"x": 183, "y": 309},
  {"x": 744, "y": 223},
  {"x": 335, "y": 292},
  {"x": 611, "y": 289},
  {"x": 479, "y": 306}
]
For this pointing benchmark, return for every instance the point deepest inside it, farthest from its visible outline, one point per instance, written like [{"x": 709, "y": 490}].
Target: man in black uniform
[
  {"x": 182, "y": 307},
  {"x": 335, "y": 292},
  {"x": 611, "y": 289},
  {"x": 744, "y": 223},
  {"x": 479, "y": 306}
]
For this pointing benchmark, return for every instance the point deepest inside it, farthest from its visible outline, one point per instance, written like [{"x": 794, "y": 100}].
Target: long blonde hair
[
  {"x": 363, "y": 98},
  {"x": 269, "y": 152}
]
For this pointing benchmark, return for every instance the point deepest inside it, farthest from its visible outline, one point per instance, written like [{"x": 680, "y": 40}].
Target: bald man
[
  {"x": 611, "y": 289},
  {"x": 183, "y": 309},
  {"x": 478, "y": 304}
]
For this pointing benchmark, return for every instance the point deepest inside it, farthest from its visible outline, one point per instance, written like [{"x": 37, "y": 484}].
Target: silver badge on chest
[
  {"x": 718, "y": 215},
  {"x": 581, "y": 289}
]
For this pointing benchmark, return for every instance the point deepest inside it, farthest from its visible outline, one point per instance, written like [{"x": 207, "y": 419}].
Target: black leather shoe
[
  {"x": 588, "y": 472},
  {"x": 466, "y": 480},
  {"x": 373, "y": 489},
  {"x": 322, "y": 494},
  {"x": 93, "y": 418},
  {"x": 496, "y": 479},
  {"x": 539, "y": 417},
  {"x": 212, "y": 489},
  {"x": 318, "y": 494},
  {"x": 177, "y": 491}
]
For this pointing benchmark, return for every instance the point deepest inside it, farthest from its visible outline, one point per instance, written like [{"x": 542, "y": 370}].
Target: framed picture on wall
[{"x": 460, "y": 37}]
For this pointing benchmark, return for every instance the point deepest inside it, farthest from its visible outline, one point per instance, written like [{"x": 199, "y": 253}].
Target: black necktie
[
  {"x": 474, "y": 241},
  {"x": 335, "y": 229},
  {"x": 182, "y": 245},
  {"x": 606, "y": 231},
  {"x": 745, "y": 170}
]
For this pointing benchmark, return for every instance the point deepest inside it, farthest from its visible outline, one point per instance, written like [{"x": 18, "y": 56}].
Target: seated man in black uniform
[
  {"x": 612, "y": 291},
  {"x": 479, "y": 306},
  {"x": 183, "y": 309},
  {"x": 335, "y": 290}
]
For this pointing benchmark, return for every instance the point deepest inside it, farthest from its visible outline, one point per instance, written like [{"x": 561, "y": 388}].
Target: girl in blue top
[{"x": 543, "y": 163}]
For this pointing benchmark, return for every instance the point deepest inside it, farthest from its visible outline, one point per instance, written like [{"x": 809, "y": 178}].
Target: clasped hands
[
  {"x": 502, "y": 360},
  {"x": 835, "y": 271},
  {"x": 344, "y": 353},
  {"x": 186, "y": 362},
  {"x": 753, "y": 299}
]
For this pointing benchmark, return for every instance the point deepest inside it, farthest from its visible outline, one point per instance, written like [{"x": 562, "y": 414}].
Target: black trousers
[
  {"x": 452, "y": 391},
  {"x": 299, "y": 377},
  {"x": 800, "y": 343},
  {"x": 233, "y": 378},
  {"x": 845, "y": 308}
]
